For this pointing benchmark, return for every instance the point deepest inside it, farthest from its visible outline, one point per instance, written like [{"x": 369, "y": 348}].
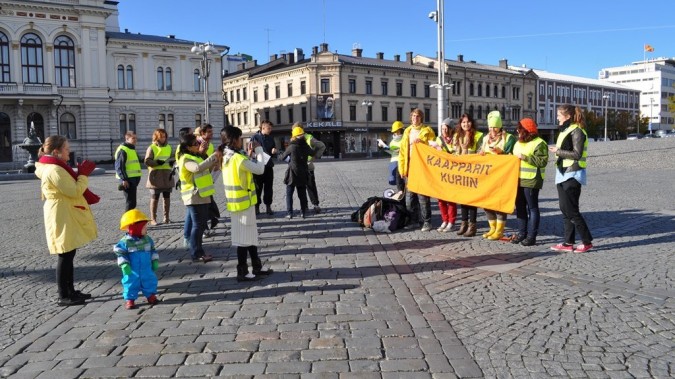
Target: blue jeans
[
  {"x": 527, "y": 208},
  {"x": 199, "y": 215}
]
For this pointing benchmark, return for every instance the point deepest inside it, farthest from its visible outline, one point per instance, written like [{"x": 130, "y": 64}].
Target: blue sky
[{"x": 572, "y": 37}]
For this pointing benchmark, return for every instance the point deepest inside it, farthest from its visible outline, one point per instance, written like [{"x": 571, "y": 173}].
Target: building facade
[
  {"x": 65, "y": 68},
  {"x": 349, "y": 101},
  {"x": 655, "y": 79}
]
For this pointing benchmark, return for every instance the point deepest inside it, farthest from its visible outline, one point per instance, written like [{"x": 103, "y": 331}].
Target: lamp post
[
  {"x": 204, "y": 50},
  {"x": 438, "y": 17},
  {"x": 651, "y": 112},
  {"x": 605, "y": 97},
  {"x": 367, "y": 104}
]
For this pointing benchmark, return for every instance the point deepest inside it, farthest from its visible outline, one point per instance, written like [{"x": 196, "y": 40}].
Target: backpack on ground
[{"x": 389, "y": 214}]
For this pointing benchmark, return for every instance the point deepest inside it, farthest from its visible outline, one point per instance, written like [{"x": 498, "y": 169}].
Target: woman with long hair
[
  {"x": 69, "y": 223},
  {"x": 467, "y": 141},
  {"x": 160, "y": 177},
  {"x": 571, "y": 150}
]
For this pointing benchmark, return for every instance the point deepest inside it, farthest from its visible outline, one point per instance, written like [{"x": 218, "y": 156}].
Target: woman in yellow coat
[{"x": 69, "y": 223}]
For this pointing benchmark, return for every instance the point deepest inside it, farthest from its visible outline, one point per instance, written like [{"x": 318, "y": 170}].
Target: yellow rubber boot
[
  {"x": 492, "y": 224},
  {"x": 499, "y": 231}
]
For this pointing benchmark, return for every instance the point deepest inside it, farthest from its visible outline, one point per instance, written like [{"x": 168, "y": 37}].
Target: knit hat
[
  {"x": 494, "y": 119},
  {"x": 297, "y": 131},
  {"x": 529, "y": 125},
  {"x": 448, "y": 122}
]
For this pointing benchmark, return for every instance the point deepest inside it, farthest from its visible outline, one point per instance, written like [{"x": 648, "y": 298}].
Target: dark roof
[
  {"x": 151, "y": 38},
  {"x": 384, "y": 63}
]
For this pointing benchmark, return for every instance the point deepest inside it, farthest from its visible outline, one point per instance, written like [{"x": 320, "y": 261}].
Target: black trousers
[
  {"x": 263, "y": 185},
  {"x": 469, "y": 213},
  {"x": 311, "y": 189},
  {"x": 130, "y": 193},
  {"x": 65, "y": 274},
  {"x": 568, "y": 198}
]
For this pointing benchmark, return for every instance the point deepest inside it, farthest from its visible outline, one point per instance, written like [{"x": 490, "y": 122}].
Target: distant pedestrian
[
  {"x": 238, "y": 171},
  {"x": 419, "y": 205},
  {"x": 264, "y": 183},
  {"x": 496, "y": 142},
  {"x": 160, "y": 174},
  {"x": 467, "y": 141},
  {"x": 571, "y": 150},
  {"x": 128, "y": 169},
  {"x": 297, "y": 172},
  {"x": 137, "y": 258},
  {"x": 68, "y": 221},
  {"x": 533, "y": 154}
]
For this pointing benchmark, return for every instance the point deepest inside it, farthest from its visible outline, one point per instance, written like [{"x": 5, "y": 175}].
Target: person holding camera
[{"x": 160, "y": 178}]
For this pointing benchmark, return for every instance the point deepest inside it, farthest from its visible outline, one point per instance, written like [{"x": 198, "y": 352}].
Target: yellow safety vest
[
  {"x": 395, "y": 149},
  {"x": 446, "y": 147},
  {"x": 161, "y": 153},
  {"x": 308, "y": 137},
  {"x": 210, "y": 149},
  {"x": 132, "y": 166},
  {"x": 528, "y": 171},
  {"x": 476, "y": 137},
  {"x": 238, "y": 198},
  {"x": 202, "y": 180},
  {"x": 584, "y": 155}
]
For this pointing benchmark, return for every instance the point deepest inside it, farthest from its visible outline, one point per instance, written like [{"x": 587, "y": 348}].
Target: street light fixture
[
  {"x": 605, "y": 97},
  {"x": 367, "y": 104},
  {"x": 437, "y": 16},
  {"x": 204, "y": 50}
]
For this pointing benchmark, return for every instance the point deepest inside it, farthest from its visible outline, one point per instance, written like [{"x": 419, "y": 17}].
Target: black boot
[
  {"x": 256, "y": 263},
  {"x": 242, "y": 266}
]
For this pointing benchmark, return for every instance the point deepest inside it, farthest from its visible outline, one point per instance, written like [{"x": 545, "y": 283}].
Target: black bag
[{"x": 375, "y": 209}]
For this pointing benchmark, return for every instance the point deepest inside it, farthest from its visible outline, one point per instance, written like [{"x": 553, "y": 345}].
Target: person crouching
[{"x": 138, "y": 259}]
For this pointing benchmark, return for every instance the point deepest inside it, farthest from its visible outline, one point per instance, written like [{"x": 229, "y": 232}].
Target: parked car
[
  {"x": 661, "y": 133},
  {"x": 669, "y": 134},
  {"x": 634, "y": 136},
  {"x": 651, "y": 136}
]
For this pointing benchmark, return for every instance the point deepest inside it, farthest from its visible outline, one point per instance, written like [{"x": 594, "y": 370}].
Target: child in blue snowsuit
[{"x": 138, "y": 259}]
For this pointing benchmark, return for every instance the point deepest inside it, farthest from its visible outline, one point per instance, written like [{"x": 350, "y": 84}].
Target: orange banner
[{"x": 489, "y": 181}]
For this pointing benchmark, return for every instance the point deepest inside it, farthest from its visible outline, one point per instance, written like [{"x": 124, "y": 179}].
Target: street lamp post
[
  {"x": 605, "y": 97},
  {"x": 438, "y": 17},
  {"x": 368, "y": 104},
  {"x": 651, "y": 112},
  {"x": 204, "y": 50}
]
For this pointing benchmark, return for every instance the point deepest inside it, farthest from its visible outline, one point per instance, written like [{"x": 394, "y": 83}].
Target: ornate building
[{"x": 66, "y": 68}]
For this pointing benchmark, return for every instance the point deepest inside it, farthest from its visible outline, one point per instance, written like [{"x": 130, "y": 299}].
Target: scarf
[{"x": 91, "y": 197}]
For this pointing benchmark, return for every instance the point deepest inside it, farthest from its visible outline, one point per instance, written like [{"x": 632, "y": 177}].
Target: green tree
[
  {"x": 623, "y": 122},
  {"x": 592, "y": 122}
]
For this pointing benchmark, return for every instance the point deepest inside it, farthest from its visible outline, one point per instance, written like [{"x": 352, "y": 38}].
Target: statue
[{"x": 31, "y": 144}]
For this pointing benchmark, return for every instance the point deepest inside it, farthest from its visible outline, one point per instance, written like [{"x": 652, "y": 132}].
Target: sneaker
[
  {"x": 449, "y": 227},
  {"x": 563, "y": 248},
  {"x": 289, "y": 215},
  {"x": 269, "y": 271},
  {"x": 204, "y": 258},
  {"x": 268, "y": 210},
  {"x": 528, "y": 241},
  {"x": 317, "y": 209},
  {"x": 68, "y": 301},
  {"x": 442, "y": 227},
  {"x": 186, "y": 243},
  {"x": 129, "y": 304},
  {"x": 304, "y": 214},
  {"x": 81, "y": 295},
  {"x": 248, "y": 278},
  {"x": 153, "y": 300},
  {"x": 582, "y": 248},
  {"x": 426, "y": 227}
]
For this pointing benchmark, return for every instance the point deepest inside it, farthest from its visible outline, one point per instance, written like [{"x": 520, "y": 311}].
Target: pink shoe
[
  {"x": 582, "y": 248},
  {"x": 563, "y": 248}
]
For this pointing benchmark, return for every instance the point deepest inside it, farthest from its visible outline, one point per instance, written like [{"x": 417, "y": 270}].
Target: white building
[
  {"x": 66, "y": 68},
  {"x": 656, "y": 81}
]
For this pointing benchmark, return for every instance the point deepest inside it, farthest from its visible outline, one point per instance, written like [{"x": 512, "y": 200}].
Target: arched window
[
  {"x": 503, "y": 92},
  {"x": 160, "y": 79},
  {"x": 64, "y": 61},
  {"x": 471, "y": 89},
  {"x": 197, "y": 81},
  {"x": 130, "y": 77},
  {"x": 120, "y": 77},
  {"x": 32, "y": 69},
  {"x": 67, "y": 126},
  {"x": 480, "y": 89},
  {"x": 496, "y": 91},
  {"x": 4, "y": 58},
  {"x": 471, "y": 111},
  {"x": 5, "y": 138},
  {"x": 168, "y": 82},
  {"x": 487, "y": 90}
]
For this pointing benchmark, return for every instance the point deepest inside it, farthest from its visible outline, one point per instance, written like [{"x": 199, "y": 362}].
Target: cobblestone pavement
[{"x": 349, "y": 303}]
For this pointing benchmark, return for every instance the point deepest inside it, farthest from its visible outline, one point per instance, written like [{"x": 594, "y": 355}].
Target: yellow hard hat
[
  {"x": 297, "y": 131},
  {"x": 396, "y": 126},
  {"x": 131, "y": 217}
]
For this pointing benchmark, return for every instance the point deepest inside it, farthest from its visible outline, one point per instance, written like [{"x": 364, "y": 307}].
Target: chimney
[
  {"x": 290, "y": 58},
  {"x": 397, "y": 58},
  {"x": 503, "y": 63},
  {"x": 357, "y": 52},
  {"x": 299, "y": 55},
  {"x": 126, "y": 30},
  {"x": 408, "y": 57},
  {"x": 379, "y": 56},
  {"x": 460, "y": 58},
  {"x": 324, "y": 47},
  {"x": 315, "y": 50},
  {"x": 171, "y": 36},
  {"x": 241, "y": 66},
  {"x": 273, "y": 57},
  {"x": 283, "y": 56}
]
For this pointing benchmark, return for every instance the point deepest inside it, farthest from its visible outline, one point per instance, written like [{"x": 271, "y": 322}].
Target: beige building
[
  {"x": 348, "y": 101},
  {"x": 66, "y": 68}
]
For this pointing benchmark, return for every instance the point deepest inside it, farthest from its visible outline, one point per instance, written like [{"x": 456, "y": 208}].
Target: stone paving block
[
  {"x": 326, "y": 343},
  {"x": 138, "y": 360},
  {"x": 189, "y": 348},
  {"x": 330, "y": 367},
  {"x": 171, "y": 360},
  {"x": 199, "y": 370},
  {"x": 404, "y": 365},
  {"x": 199, "y": 359},
  {"x": 276, "y": 356},
  {"x": 284, "y": 344},
  {"x": 324, "y": 354},
  {"x": 288, "y": 368},
  {"x": 243, "y": 369},
  {"x": 110, "y": 372},
  {"x": 466, "y": 368},
  {"x": 157, "y": 372},
  {"x": 233, "y": 357}
]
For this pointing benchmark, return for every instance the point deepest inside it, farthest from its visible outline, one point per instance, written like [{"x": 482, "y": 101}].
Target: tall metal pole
[
  {"x": 206, "y": 88},
  {"x": 440, "y": 6},
  {"x": 606, "y": 98}
]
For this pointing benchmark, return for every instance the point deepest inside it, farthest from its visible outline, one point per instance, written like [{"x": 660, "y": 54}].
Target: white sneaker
[
  {"x": 442, "y": 227},
  {"x": 449, "y": 227}
]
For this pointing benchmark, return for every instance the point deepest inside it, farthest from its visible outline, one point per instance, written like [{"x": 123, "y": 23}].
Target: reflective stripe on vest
[
  {"x": 132, "y": 166},
  {"x": 395, "y": 149},
  {"x": 308, "y": 137},
  {"x": 161, "y": 153},
  {"x": 528, "y": 171},
  {"x": 238, "y": 198},
  {"x": 584, "y": 154},
  {"x": 202, "y": 180}
]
